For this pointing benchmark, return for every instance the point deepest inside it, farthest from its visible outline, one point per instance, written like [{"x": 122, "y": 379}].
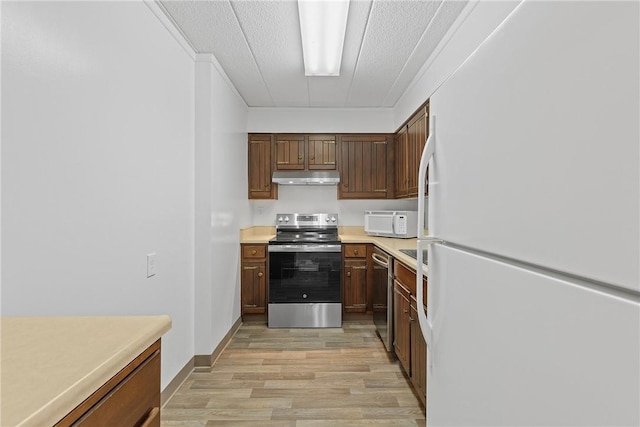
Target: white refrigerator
[{"x": 533, "y": 314}]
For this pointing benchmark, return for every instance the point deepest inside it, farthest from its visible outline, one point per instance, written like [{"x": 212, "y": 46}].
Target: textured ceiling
[{"x": 258, "y": 44}]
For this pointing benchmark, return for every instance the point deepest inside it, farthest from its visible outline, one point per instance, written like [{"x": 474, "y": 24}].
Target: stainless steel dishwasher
[{"x": 383, "y": 296}]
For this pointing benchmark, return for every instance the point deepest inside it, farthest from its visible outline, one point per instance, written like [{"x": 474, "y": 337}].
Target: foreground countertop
[
  {"x": 347, "y": 234},
  {"x": 51, "y": 364}
]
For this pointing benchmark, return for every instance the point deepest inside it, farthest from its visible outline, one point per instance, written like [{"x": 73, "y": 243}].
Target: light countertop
[
  {"x": 347, "y": 234},
  {"x": 51, "y": 364}
]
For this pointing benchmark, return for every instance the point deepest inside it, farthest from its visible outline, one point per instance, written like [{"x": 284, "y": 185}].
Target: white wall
[
  {"x": 318, "y": 120},
  {"x": 222, "y": 207},
  {"x": 97, "y": 166},
  {"x": 321, "y": 199}
]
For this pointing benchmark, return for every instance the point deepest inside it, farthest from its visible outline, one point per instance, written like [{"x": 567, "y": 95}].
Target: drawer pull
[
  {"x": 355, "y": 252},
  {"x": 359, "y": 267},
  {"x": 251, "y": 268},
  {"x": 253, "y": 252},
  {"x": 153, "y": 414},
  {"x": 250, "y": 305}
]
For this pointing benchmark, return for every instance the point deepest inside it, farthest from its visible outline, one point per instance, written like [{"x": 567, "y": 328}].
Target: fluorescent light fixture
[{"x": 322, "y": 24}]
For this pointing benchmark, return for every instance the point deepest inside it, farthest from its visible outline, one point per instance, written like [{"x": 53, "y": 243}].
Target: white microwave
[{"x": 402, "y": 224}]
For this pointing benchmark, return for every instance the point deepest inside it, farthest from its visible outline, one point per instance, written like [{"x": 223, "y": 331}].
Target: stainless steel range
[{"x": 305, "y": 272}]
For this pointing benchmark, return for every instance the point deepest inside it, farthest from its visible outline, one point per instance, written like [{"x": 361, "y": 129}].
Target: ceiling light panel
[{"x": 322, "y": 26}]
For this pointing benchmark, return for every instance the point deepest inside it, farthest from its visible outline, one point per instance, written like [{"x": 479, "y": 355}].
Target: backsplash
[{"x": 307, "y": 199}]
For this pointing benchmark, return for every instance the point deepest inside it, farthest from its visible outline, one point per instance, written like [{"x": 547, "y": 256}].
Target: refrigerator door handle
[
  {"x": 427, "y": 154},
  {"x": 425, "y": 324}
]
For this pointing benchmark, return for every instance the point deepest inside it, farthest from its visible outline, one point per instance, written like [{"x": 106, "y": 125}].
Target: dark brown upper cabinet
[
  {"x": 321, "y": 152},
  {"x": 260, "y": 167},
  {"x": 305, "y": 152},
  {"x": 290, "y": 152},
  {"x": 410, "y": 141},
  {"x": 366, "y": 166}
]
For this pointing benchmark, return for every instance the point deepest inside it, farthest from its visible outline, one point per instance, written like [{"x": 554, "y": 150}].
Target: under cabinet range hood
[{"x": 306, "y": 178}]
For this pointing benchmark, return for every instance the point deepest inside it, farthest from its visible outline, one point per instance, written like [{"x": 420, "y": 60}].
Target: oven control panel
[{"x": 306, "y": 220}]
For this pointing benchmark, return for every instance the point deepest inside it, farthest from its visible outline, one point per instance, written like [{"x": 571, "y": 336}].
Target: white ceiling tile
[
  {"x": 257, "y": 43},
  {"x": 394, "y": 29},
  {"x": 447, "y": 13},
  {"x": 273, "y": 34},
  {"x": 211, "y": 27}
]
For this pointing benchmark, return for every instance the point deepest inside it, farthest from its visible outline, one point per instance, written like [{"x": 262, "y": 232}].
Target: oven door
[{"x": 305, "y": 273}]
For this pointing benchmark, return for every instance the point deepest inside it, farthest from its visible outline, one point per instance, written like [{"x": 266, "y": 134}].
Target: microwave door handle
[{"x": 393, "y": 224}]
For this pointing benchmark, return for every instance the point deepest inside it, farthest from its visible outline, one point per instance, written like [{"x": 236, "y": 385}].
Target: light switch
[{"x": 151, "y": 264}]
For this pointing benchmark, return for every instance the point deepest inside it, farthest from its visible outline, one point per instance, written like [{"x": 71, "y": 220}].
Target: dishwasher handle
[{"x": 380, "y": 261}]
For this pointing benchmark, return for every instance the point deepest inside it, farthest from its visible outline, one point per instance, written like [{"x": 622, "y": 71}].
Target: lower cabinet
[
  {"x": 354, "y": 278},
  {"x": 402, "y": 328},
  {"x": 253, "y": 288},
  {"x": 409, "y": 344},
  {"x": 418, "y": 356},
  {"x": 130, "y": 398}
]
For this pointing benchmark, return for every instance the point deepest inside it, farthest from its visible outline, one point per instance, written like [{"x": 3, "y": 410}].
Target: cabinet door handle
[
  {"x": 312, "y": 158},
  {"x": 348, "y": 274},
  {"x": 260, "y": 274},
  {"x": 355, "y": 252},
  {"x": 300, "y": 157},
  {"x": 266, "y": 185},
  {"x": 153, "y": 414}
]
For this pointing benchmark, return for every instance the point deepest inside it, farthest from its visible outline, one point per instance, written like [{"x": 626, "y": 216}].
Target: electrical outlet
[
  {"x": 260, "y": 210},
  {"x": 151, "y": 265}
]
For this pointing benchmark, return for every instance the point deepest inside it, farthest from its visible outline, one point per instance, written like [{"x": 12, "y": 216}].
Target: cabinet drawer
[
  {"x": 405, "y": 276},
  {"x": 135, "y": 401},
  {"x": 355, "y": 251},
  {"x": 254, "y": 251}
]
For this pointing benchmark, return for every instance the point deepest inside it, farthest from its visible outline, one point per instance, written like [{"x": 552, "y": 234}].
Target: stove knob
[
  {"x": 286, "y": 219},
  {"x": 333, "y": 219},
  {"x": 304, "y": 296},
  {"x": 327, "y": 219},
  {"x": 280, "y": 219}
]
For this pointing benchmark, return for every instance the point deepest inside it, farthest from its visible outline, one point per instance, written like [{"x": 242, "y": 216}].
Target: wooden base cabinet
[
  {"x": 402, "y": 326},
  {"x": 253, "y": 286},
  {"x": 418, "y": 356},
  {"x": 130, "y": 398},
  {"x": 354, "y": 280},
  {"x": 409, "y": 344}
]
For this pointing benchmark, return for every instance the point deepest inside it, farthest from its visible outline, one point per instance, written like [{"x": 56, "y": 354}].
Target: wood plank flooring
[{"x": 298, "y": 378}]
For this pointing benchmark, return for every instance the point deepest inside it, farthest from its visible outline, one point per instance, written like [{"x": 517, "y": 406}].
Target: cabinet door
[
  {"x": 417, "y": 130},
  {"x": 321, "y": 151},
  {"x": 418, "y": 356},
  {"x": 401, "y": 158},
  {"x": 402, "y": 328},
  {"x": 355, "y": 286},
  {"x": 254, "y": 287},
  {"x": 364, "y": 168},
  {"x": 260, "y": 185},
  {"x": 290, "y": 152}
]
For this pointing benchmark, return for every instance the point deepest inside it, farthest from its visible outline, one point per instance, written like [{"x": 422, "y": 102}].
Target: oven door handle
[{"x": 305, "y": 248}]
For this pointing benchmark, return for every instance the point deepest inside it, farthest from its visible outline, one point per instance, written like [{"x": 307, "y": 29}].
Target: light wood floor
[{"x": 298, "y": 377}]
